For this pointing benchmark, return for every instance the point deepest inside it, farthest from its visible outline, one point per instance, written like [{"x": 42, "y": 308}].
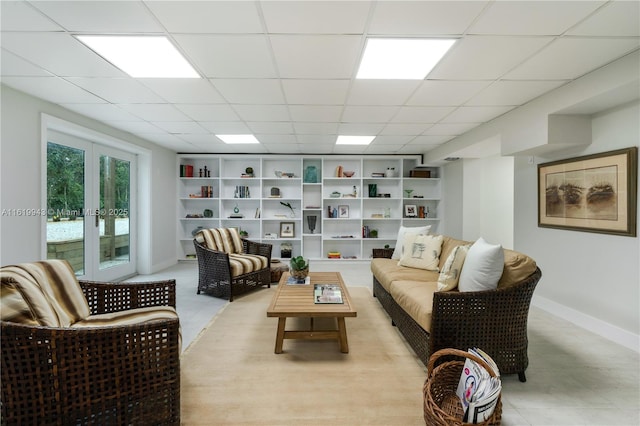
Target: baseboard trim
[{"x": 599, "y": 327}]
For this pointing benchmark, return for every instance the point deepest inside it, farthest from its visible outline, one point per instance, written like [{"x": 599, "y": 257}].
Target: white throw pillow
[
  {"x": 421, "y": 251},
  {"x": 482, "y": 267},
  {"x": 450, "y": 274},
  {"x": 418, "y": 230}
]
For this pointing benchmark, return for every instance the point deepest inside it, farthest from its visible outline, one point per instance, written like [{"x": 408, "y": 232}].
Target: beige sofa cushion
[
  {"x": 388, "y": 270},
  {"x": 246, "y": 263},
  {"x": 416, "y": 299},
  {"x": 421, "y": 251},
  {"x": 50, "y": 289},
  {"x": 517, "y": 267},
  {"x": 226, "y": 240},
  {"x": 448, "y": 244},
  {"x": 128, "y": 317}
]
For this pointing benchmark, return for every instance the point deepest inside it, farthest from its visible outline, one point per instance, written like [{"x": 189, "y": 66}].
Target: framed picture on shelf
[
  {"x": 287, "y": 229},
  {"x": 592, "y": 193},
  {"x": 343, "y": 212},
  {"x": 410, "y": 210}
]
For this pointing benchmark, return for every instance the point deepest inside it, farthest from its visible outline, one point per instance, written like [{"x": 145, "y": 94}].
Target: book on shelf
[
  {"x": 298, "y": 281},
  {"x": 327, "y": 293},
  {"x": 477, "y": 390}
]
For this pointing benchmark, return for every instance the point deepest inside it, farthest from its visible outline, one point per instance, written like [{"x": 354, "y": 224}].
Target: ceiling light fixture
[
  {"x": 354, "y": 140},
  {"x": 238, "y": 139},
  {"x": 401, "y": 59},
  {"x": 141, "y": 56}
]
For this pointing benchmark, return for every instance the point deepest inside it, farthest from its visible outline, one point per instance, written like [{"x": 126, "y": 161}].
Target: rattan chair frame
[
  {"x": 214, "y": 271},
  {"x": 121, "y": 374},
  {"x": 495, "y": 321}
]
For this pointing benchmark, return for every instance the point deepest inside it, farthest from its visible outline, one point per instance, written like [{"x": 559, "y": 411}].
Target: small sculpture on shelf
[{"x": 287, "y": 204}]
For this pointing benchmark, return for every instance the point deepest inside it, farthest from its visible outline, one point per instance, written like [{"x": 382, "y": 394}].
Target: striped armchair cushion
[
  {"x": 226, "y": 240},
  {"x": 48, "y": 288},
  {"x": 246, "y": 263}
]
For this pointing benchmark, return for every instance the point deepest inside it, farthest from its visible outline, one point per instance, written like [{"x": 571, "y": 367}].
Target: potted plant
[{"x": 299, "y": 267}]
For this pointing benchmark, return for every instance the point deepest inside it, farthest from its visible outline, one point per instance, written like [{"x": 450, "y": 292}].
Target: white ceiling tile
[
  {"x": 569, "y": 58},
  {"x": 52, "y": 89},
  {"x": 318, "y": 92},
  {"x": 532, "y": 17},
  {"x": 486, "y": 57},
  {"x": 229, "y": 56},
  {"x": 207, "y": 16},
  {"x": 60, "y": 54},
  {"x": 155, "y": 112},
  {"x": 387, "y": 140},
  {"x": 381, "y": 92},
  {"x": 184, "y": 90},
  {"x": 318, "y": 17},
  {"x": 369, "y": 114},
  {"x": 452, "y": 129},
  {"x": 136, "y": 127},
  {"x": 102, "y": 112},
  {"x": 117, "y": 90},
  {"x": 475, "y": 114},
  {"x": 328, "y": 56},
  {"x": 317, "y": 140},
  {"x": 431, "y": 140},
  {"x": 313, "y": 113},
  {"x": 616, "y": 18},
  {"x": 512, "y": 92},
  {"x": 21, "y": 16},
  {"x": 316, "y": 128},
  {"x": 180, "y": 127},
  {"x": 416, "y": 114},
  {"x": 250, "y": 91},
  {"x": 404, "y": 129},
  {"x": 169, "y": 141},
  {"x": 383, "y": 149},
  {"x": 202, "y": 139},
  {"x": 100, "y": 16},
  {"x": 268, "y": 127},
  {"x": 263, "y": 112},
  {"x": 272, "y": 139},
  {"x": 424, "y": 17},
  {"x": 441, "y": 92},
  {"x": 226, "y": 128},
  {"x": 13, "y": 65},
  {"x": 360, "y": 129},
  {"x": 200, "y": 112}
]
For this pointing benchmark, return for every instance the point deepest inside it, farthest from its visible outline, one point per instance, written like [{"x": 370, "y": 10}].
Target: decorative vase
[
  {"x": 299, "y": 274},
  {"x": 311, "y": 221}
]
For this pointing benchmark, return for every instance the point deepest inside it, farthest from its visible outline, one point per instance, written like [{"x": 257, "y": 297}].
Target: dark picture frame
[
  {"x": 591, "y": 193},
  {"x": 410, "y": 210},
  {"x": 287, "y": 229}
]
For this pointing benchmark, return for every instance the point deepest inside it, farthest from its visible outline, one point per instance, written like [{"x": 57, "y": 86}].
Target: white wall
[
  {"x": 21, "y": 167},
  {"x": 488, "y": 200},
  {"x": 590, "y": 279}
]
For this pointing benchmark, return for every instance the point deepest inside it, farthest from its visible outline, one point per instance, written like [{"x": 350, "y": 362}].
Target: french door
[{"x": 90, "y": 195}]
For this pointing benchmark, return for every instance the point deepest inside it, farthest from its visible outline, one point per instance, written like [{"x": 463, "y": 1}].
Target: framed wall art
[
  {"x": 592, "y": 193},
  {"x": 287, "y": 229}
]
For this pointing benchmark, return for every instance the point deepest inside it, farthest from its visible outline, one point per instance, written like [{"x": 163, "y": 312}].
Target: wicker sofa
[
  {"x": 81, "y": 352},
  {"x": 229, "y": 265},
  {"x": 493, "y": 320}
]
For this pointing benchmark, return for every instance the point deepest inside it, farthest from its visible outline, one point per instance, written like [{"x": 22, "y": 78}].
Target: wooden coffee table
[{"x": 297, "y": 301}]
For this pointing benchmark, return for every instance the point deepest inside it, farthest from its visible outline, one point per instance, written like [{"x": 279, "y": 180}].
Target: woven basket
[{"x": 442, "y": 406}]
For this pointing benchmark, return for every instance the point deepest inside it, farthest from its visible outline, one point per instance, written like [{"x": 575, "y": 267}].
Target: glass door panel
[
  {"x": 66, "y": 233},
  {"x": 115, "y": 191}
]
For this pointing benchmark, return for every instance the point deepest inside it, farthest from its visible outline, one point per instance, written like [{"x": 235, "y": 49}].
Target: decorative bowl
[{"x": 348, "y": 173}]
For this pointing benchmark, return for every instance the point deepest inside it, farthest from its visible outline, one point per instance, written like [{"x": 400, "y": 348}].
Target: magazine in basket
[
  {"x": 477, "y": 389},
  {"x": 327, "y": 293}
]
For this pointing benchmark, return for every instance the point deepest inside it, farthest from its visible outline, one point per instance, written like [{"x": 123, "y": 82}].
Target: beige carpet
[{"x": 230, "y": 374}]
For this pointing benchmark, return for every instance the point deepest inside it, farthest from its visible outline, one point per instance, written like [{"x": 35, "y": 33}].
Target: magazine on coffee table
[
  {"x": 297, "y": 281},
  {"x": 327, "y": 293}
]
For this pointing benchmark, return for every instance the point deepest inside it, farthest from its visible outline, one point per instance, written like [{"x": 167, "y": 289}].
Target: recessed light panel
[
  {"x": 238, "y": 139},
  {"x": 354, "y": 140},
  {"x": 141, "y": 56},
  {"x": 401, "y": 59}
]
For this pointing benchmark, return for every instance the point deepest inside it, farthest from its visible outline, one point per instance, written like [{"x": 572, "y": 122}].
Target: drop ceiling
[{"x": 285, "y": 70}]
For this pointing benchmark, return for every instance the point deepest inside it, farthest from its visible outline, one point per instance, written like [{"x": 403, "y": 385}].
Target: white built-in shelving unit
[{"x": 211, "y": 198}]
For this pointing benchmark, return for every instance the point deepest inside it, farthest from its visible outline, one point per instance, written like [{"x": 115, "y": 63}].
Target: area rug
[{"x": 231, "y": 375}]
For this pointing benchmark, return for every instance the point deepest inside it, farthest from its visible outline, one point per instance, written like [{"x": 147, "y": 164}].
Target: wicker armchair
[
  {"x": 126, "y": 373},
  {"x": 494, "y": 320},
  {"x": 226, "y": 275}
]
